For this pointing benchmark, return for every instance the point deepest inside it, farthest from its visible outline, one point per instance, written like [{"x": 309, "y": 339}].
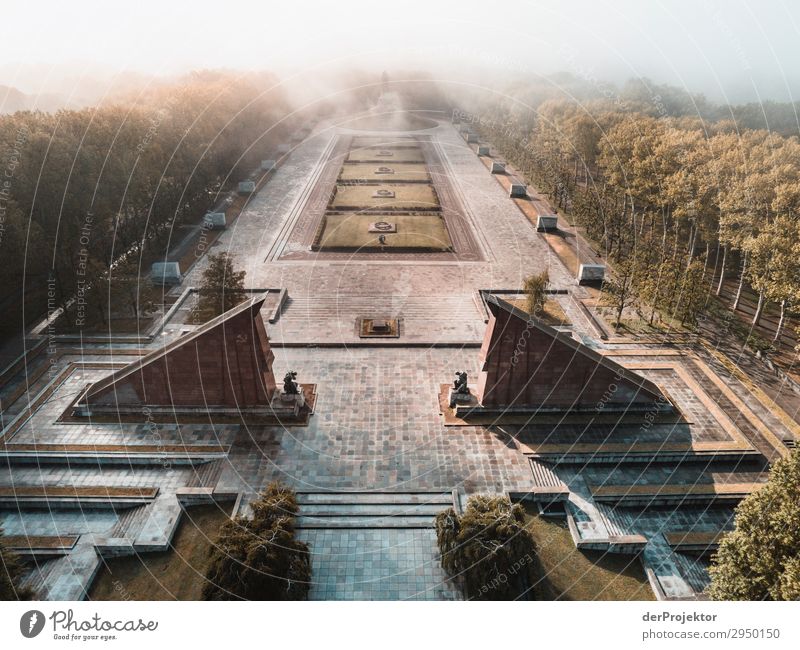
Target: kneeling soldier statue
[
  {"x": 460, "y": 390},
  {"x": 290, "y": 386}
]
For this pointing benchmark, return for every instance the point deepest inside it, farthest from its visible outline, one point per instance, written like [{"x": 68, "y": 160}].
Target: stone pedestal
[
  {"x": 246, "y": 187},
  {"x": 591, "y": 273},
  {"x": 287, "y": 405},
  {"x": 165, "y": 273},
  {"x": 545, "y": 222},
  {"x": 215, "y": 220},
  {"x": 483, "y": 150},
  {"x": 498, "y": 168},
  {"x": 518, "y": 191},
  {"x": 455, "y": 399}
]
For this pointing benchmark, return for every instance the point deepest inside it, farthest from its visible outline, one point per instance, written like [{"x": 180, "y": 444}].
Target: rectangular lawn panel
[
  {"x": 414, "y": 196},
  {"x": 387, "y": 153},
  {"x": 372, "y": 172},
  {"x": 424, "y": 232}
]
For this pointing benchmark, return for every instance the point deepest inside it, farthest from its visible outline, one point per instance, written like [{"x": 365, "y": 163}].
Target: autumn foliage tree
[
  {"x": 536, "y": 292},
  {"x": 221, "y": 288},
  {"x": 259, "y": 557},
  {"x": 712, "y": 203},
  {"x": 488, "y": 550},
  {"x": 88, "y": 189},
  {"x": 760, "y": 558}
]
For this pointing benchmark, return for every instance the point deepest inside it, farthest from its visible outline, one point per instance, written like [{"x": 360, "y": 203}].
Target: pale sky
[{"x": 742, "y": 49}]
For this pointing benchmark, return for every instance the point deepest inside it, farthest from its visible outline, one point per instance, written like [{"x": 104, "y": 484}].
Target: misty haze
[{"x": 401, "y": 301}]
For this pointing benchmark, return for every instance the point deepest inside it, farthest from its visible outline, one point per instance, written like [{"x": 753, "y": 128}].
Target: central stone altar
[{"x": 378, "y": 328}]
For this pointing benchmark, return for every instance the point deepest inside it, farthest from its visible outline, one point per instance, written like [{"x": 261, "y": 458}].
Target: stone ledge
[
  {"x": 665, "y": 494},
  {"x": 49, "y": 497},
  {"x": 71, "y": 577},
  {"x": 163, "y": 517},
  {"x": 542, "y": 494},
  {"x": 694, "y": 541},
  {"x": 637, "y": 452},
  {"x": 41, "y": 545},
  {"x": 108, "y": 547},
  {"x": 132, "y": 414},
  {"x": 192, "y": 496}
]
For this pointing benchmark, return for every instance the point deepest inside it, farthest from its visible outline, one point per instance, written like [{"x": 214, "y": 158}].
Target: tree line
[
  {"x": 89, "y": 198},
  {"x": 677, "y": 203}
]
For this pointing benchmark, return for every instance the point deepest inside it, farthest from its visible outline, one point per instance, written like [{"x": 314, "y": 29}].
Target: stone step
[
  {"x": 664, "y": 572},
  {"x": 358, "y": 498},
  {"x": 369, "y": 510},
  {"x": 342, "y": 521},
  {"x": 37, "y": 577},
  {"x": 70, "y": 577},
  {"x": 464, "y": 306},
  {"x": 544, "y": 476},
  {"x": 301, "y": 307},
  {"x": 343, "y": 314},
  {"x": 613, "y": 519},
  {"x": 596, "y": 531},
  {"x": 623, "y": 544},
  {"x": 129, "y": 522}
]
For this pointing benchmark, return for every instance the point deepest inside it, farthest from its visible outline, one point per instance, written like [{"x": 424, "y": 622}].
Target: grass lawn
[
  {"x": 412, "y": 196},
  {"x": 552, "y": 314},
  {"x": 388, "y": 153},
  {"x": 177, "y": 574},
  {"x": 571, "y": 574},
  {"x": 351, "y": 231},
  {"x": 369, "y": 172}
]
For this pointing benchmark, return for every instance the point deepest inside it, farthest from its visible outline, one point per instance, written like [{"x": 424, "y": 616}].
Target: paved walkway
[{"x": 376, "y": 564}]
